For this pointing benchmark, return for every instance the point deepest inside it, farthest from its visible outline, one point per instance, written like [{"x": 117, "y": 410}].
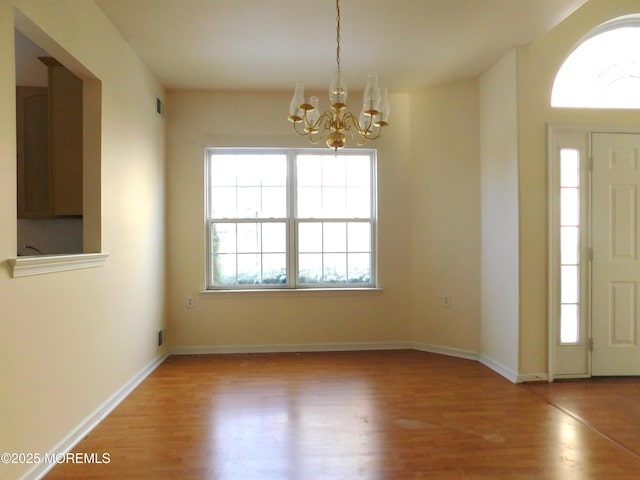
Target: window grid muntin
[
  {"x": 242, "y": 186},
  {"x": 292, "y": 247},
  {"x": 328, "y": 184},
  {"x": 589, "y": 79},
  {"x": 570, "y": 246},
  {"x": 347, "y": 250},
  {"x": 261, "y": 252}
]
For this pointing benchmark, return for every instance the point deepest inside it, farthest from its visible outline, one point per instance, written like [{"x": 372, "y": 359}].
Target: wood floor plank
[
  {"x": 400, "y": 415},
  {"x": 609, "y": 405}
]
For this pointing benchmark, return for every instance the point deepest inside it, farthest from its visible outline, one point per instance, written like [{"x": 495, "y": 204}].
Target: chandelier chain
[{"x": 338, "y": 33}]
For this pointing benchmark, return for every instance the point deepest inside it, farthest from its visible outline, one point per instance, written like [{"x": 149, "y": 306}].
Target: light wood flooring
[
  {"x": 394, "y": 415},
  {"x": 608, "y": 405}
]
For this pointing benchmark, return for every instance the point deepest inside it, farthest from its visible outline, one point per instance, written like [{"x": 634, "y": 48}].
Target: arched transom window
[{"x": 603, "y": 71}]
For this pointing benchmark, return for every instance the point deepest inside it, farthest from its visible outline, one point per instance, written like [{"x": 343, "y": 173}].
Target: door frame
[{"x": 578, "y": 137}]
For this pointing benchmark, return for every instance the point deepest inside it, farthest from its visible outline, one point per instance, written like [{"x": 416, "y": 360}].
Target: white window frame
[
  {"x": 569, "y": 359},
  {"x": 590, "y": 79},
  {"x": 292, "y": 222}
]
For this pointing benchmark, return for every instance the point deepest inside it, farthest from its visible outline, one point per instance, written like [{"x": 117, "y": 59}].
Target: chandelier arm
[
  {"x": 358, "y": 138},
  {"x": 321, "y": 127},
  {"x": 308, "y": 134},
  {"x": 355, "y": 122},
  {"x": 314, "y": 140},
  {"x": 358, "y": 134},
  {"x": 316, "y": 132},
  {"x": 324, "y": 117},
  {"x": 327, "y": 120},
  {"x": 376, "y": 135},
  {"x": 368, "y": 129},
  {"x": 349, "y": 120},
  {"x": 301, "y": 133},
  {"x": 373, "y": 131}
]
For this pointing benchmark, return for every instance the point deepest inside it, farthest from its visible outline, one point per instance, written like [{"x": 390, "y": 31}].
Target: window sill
[
  {"x": 39, "y": 265},
  {"x": 295, "y": 291}
]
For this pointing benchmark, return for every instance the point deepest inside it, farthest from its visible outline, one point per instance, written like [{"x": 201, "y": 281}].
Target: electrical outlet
[
  {"x": 160, "y": 337},
  {"x": 446, "y": 301},
  {"x": 191, "y": 303}
]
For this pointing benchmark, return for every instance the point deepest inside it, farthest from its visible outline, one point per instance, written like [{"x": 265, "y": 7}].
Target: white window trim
[
  {"x": 311, "y": 291},
  {"x": 292, "y": 222},
  {"x": 560, "y": 137}
]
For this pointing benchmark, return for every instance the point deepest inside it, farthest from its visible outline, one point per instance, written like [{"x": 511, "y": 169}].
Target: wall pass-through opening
[{"x": 58, "y": 119}]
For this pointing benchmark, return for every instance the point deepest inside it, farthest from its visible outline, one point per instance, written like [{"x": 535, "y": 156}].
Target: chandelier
[{"x": 332, "y": 125}]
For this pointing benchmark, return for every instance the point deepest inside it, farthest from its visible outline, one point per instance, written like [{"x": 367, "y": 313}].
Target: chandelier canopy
[{"x": 332, "y": 125}]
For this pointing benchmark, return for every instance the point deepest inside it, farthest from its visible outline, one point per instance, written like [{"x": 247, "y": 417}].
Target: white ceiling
[{"x": 272, "y": 44}]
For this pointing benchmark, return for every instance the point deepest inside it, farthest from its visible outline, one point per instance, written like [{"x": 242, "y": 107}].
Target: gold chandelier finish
[{"x": 333, "y": 124}]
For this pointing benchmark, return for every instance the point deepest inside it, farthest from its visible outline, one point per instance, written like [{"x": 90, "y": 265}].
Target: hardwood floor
[
  {"x": 611, "y": 406},
  {"x": 399, "y": 415}
]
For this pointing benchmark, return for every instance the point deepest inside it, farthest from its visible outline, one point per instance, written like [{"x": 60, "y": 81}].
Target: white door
[{"x": 616, "y": 254}]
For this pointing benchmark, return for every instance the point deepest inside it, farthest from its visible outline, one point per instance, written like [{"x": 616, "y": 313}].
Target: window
[
  {"x": 604, "y": 70},
  {"x": 569, "y": 245},
  {"x": 290, "y": 218}
]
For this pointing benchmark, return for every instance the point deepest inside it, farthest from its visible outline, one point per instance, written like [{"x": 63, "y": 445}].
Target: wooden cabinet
[
  {"x": 49, "y": 130},
  {"x": 32, "y": 123}
]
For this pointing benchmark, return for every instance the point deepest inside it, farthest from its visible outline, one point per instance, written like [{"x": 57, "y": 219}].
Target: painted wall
[
  {"x": 445, "y": 241},
  {"x": 274, "y": 320},
  {"x": 499, "y": 184},
  {"x": 537, "y": 65},
  {"x": 72, "y": 339}
]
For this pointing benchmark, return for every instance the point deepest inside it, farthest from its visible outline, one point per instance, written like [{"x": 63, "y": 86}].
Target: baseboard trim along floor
[{"x": 89, "y": 423}]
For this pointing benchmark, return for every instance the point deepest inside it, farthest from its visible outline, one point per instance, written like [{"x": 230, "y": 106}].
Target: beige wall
[
  {"x": 272, "y": 320},
  {"x": 499, "y": 183},
  {"x": 72, "y": 339},
  {"x": 429, "y": 229},
  {"x": 445, "y": 216},
  {"x": 537, "y": 67}
]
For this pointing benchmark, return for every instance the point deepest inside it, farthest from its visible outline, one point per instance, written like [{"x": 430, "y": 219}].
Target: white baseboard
[
  {"x": 449, "y": 351},
  {"x": 89, "y": 423},
  {"x": 512, "y": 375},
  {"x": 346, "y": 347},
  {"x": 311, "y": 347},
  {"x": 533, "y": 377},
  {"x": 497, "y": 367},
  {"x": 488, "y": 362}
]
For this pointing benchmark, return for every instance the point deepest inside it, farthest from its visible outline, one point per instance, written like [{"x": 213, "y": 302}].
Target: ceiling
[{"x": 273, "y": 44}]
